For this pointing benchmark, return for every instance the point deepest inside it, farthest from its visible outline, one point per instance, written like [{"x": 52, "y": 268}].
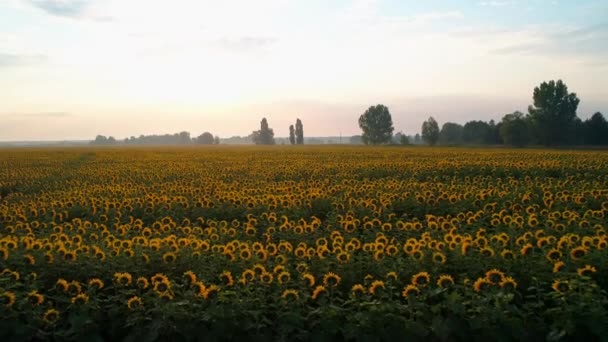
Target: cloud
[
  {"x": 579, "y": 42},
  {"x": 62, "y": 8},
  {"x": 10, "y": 59},
  {"x": 245, "y": 43},
  {"x": 496, "y": 3},
  {"x": 38, "y": 115},
  {"x": 73, "y": 9}
]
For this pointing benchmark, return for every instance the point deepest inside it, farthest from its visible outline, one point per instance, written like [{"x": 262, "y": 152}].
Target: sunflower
[
  {"x": 578, "y": 252},
  {"x": 227, "y": 278},
  {"x": 96, "y": 284},
  {"x": 302, "y": 267},
  {"x": 190, "y": 277},
  {"x": 35, "y": 298},
  {"x": 8, "y": 299},
  {"x": 445, "y": 281},
  {"x": 439, "y": 258},
  {"x": 318, "y": 291},
  {"x": 410, "y": 290},
  {"x": 331, "y": 279},
  {"x": 343, "y": 257},
  {"x": 165, "y": 296},
  {"x": 391, "y": 275},
  {"x": 481, "y": 284},
  {"x": 309, "y": 278},
  {"x": 74, "y": 288},
  {"x": 486, "y": 252},
  {"x": 586, "y": 271},
  {"x": 158, "y": 277},
  {"x": 357, "y": 289},
  {"x": 290, "y": 294},
  {"x": 494, "y": 276},
  {"x": 134, "y": 302},
  {"x": 259, "y": 268},
  {"x": 560, "y": 286},
  {"x": 62, "y": 285},
  {"x": 283, "y": 277},
  {"x": 558, "y": 266},
  {"x": 29, "y": 259},
  {"x": 211, "y": 291},
  {"x": 80, "y": 299},
  {"x": 376, "y": 284},
  {"x": 421, "y": 279},
  {"x": 200, "y": 288},
  {"x": 527, "y": 249},
  {"x": 169, "y": 257},
  {"x": 122, "y": 278},
  {"x": 248, "y": 275},
  {"x": 142, "y": 283},
  {"x": 553, "y": 255},
  {"x": 507, "y": 254},
  {"x": 508, "y": 283},
  {"x": 50, "y": 316},
  {"x": 266, "y": 278},
  {"x": 162, "y": 286}
]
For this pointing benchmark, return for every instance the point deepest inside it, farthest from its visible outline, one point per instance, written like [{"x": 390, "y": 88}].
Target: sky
[{"x": 72, "y": 69}]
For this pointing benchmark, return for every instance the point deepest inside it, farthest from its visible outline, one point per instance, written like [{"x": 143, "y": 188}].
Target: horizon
[{"x": 73, "y": 69}]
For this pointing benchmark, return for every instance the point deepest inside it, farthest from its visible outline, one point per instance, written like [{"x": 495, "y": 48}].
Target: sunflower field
[{"x": 303, "y": 243}]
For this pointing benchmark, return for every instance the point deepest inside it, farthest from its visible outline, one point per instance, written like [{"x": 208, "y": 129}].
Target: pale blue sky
[{"x": 71, "y": 69}]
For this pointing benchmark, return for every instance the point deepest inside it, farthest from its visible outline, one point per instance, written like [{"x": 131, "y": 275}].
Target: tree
[
  {"x": 205, "y": 139},
  {"x": 417, "y": 138},
  {"x": 554, "y": 110},
  {"x": 430, "y": 131},
  {"x": 264, "y": 136},
  {"x": 292, "y": 135},
  {"x": 476, "y": 133},
  {"x": 404, "y": 140},
  {"x": 356, "y": 140},
  {"x": 451, "y": 133},
  {"x": 514, "y": 130},
  {"x": 216, "y": 140},
  {"x": 299, "y": 132},
  {"x": 596, "y": 130},
  {"x": 184, "y": 138},
  {"x": 377, "y": 125}
]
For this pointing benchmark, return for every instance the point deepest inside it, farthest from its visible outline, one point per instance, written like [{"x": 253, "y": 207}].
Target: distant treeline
[{"x": 182, "y": 138}]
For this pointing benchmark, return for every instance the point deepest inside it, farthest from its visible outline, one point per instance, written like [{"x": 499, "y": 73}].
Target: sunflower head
[
  {"x": 266, "y": 278},
  {"x": 62, "y": 285},
  {"x": 35, "y": 298},
  {"x": 508, "y": 283},
  {"x": 391, "y": 276},
  {"x": 142, "y": 283},
  {"x": 375, "y": 286},
  {"x": 134, "y": 302},
  {"x": 80, "y": 299},
  {"x": 421, "y": 279},
  {"x": 318, "y": 291},
  {"x": 7, "y": 299},
  {"x": 283, "y": 277},
  {"x": 226, "y": 278},
  {"x": 558, "y": 266},
  {"x": 290, "y": 295},
  {"x": 560, "y": 286},
  {"x": 50, "y": 316},
  {"x": 494, "y": 276},
  {"x": 410, "y": 290},
  {"x": 96, "y": 284},
  {"x": 578, "y": 252},
  {"x": 481, "y": 284},
  {"x": 445, "y": 281},
  {"x": 211, "y": 291},
  {"x": 357, "y": 290},
  {"x": 331, "y": 279},
  {"x": 586, "y": 271},
  {"x": 309, "y": 278}
]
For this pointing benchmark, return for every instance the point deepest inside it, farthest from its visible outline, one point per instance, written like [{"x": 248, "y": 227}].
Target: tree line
[
  {"x": 181, "y": 138},
  {"x": 551, "y": 121},
  {"x": 265, "y": 135}
]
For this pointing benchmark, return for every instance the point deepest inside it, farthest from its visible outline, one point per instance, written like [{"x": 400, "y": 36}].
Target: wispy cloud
[
  {"x": 244, "y": 43},
  {"x": 74, "y": 9},
  {"x": 11, "y": 60},
  {"x": 37, "y": 115},
  {"x": 496, "y": 3}
]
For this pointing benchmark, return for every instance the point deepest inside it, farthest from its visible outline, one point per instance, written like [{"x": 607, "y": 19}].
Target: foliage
[
  {"x": 596, "y": 130},
  {"x": 292, "y": 135},
  {"x": 553, "y": 112},
  {"x": 205, "y": 139},
  {"x": 299, "y": 132},
  {"x": 265, "y": 135},
  {"x": 318, "y": 243},
  {"x": 377, "y": 125},
  {"x": 430, "y": 131},
  {"x": 514, "y": 130},
  {"x": 451, "y": 133}
]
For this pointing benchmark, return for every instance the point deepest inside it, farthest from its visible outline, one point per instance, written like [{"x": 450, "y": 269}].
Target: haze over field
[{"x": 71, "y": 69}]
